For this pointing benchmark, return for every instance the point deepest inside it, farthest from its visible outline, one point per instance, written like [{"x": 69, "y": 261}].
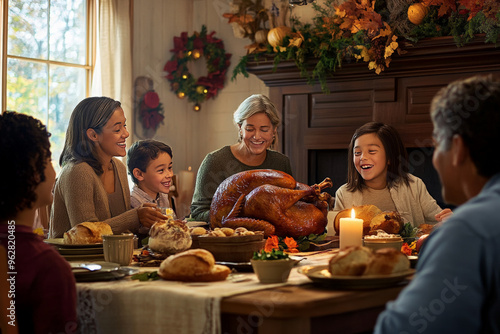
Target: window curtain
[{"x": 114, "y": 55}]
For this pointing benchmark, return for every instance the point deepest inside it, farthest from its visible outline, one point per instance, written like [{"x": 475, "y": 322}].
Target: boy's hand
[{"x": 149, "y": 214}]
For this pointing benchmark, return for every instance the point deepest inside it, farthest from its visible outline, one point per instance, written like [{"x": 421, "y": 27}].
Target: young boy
[{"x": 150, "y": 166}]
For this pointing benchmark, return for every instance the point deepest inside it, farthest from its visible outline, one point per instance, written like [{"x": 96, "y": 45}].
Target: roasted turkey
[{"x": 270, "y": 201}]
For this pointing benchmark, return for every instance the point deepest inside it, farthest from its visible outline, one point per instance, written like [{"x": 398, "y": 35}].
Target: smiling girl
[
  {"x": 93, "y": 185},
  {"x": 378, "y": 174}
]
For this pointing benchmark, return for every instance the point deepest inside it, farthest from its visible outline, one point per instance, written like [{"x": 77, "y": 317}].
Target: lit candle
[{"x": 351, "y": 231}]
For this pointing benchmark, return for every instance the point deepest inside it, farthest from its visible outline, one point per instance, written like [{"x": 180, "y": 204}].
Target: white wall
[{"x": 190, "y": 134}]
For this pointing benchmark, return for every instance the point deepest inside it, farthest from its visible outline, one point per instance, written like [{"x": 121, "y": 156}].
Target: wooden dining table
[
  {"x": 305, "y": 309},
  {"x": 297, "y": 306}
]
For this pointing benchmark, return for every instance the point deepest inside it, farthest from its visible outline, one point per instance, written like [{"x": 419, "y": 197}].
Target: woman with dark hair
[
  {"x": 378, "y": 174},
  {"x": 257, "y": 122},
  {"x": 45, "y": 294},
  {"x": 93, "y": 185}
]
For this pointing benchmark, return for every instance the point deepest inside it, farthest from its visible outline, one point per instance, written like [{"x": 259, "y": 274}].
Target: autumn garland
[
  {"x": 191, "y": 48},
  {"x": 363, "y": 30}
]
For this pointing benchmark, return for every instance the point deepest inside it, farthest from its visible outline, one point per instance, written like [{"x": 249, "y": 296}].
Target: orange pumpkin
[
  {"x": 417, "y": 13},
  {"x": 276, "y": 35}
]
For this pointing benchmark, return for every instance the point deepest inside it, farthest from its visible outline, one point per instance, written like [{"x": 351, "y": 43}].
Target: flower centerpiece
[
  {"x": 273, "y": 264},
  {"x": 191, "y": 48},
  {"x": 151, "y": 110}
]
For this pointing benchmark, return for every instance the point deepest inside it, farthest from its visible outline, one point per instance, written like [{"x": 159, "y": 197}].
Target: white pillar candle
[{"x": 351, "y": 231}]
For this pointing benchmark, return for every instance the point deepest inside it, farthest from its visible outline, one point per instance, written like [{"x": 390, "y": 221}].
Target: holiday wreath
[{"x": 191, "y": 48}]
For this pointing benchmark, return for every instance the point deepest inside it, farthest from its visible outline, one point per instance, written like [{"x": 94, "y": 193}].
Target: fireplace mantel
[{"x": 401, "y": 95}]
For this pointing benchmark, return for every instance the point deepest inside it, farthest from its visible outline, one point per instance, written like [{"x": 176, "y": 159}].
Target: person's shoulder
[
  {"x": 277, "y": 155},
  {"x": 75, "y": 169},
  {"x": 223, "y": 151},
  {"x": 118, "y": 163}
]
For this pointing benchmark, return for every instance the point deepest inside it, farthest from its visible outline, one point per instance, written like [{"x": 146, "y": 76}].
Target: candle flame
[
  {"x": 353, "y": 213},
  {"x": 189, "y": 168}
]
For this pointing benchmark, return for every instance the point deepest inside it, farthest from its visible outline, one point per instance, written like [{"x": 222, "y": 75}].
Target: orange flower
[
  {"x": 272, "y": 243},
  {"x": 405, "y": 249},
  {"x": 291, "y": 245}
]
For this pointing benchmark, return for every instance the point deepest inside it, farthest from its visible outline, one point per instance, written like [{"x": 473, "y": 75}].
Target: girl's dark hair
[
  {"x": 90, "y": 113},
  {"x": 24, "y": 150},
  {"x": 397, "y": 156},
  {"x": 142, "y": 152}
]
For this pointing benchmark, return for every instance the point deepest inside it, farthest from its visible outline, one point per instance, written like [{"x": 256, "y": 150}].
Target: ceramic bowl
[
  {"x": 378, "y": 243},
  {"x": 273, "y": 271}
]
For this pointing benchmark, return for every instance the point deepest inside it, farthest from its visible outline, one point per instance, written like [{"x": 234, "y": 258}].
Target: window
[{"x": 48, "y": 61}]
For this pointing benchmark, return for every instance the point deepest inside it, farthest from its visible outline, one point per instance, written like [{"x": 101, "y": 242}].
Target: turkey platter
[{"x": 270, "y": 201}]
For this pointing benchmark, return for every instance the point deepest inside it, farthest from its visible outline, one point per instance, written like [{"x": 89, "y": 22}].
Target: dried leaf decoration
[
  {"x": 490, "y": 8},
  {"x": 445, "y": 6},
  {"x": 389, "y": 49}
]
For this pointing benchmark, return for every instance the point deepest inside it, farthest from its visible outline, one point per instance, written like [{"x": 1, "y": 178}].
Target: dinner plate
[
  {"x": 85, "y": 257},
  {"x": 321, "y": 276},
  {"x": 80, "y": 251},
  {"x": 109, "y": 271},
  {"x": 59, "y": 242}
]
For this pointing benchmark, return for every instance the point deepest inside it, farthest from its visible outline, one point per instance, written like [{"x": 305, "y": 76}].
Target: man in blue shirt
[{"x": 457, "y": 285}]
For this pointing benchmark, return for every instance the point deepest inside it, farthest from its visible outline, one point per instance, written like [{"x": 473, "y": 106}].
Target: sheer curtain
[{"x": 113, "y": 69}]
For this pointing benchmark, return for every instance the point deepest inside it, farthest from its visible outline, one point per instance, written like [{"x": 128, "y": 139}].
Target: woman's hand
[
  {"x": 443, "y": 215},
  {"x": 149, "y": 214}
]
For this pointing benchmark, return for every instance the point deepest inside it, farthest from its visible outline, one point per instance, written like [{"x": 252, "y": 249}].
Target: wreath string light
[{"x": 192, "y": 48}]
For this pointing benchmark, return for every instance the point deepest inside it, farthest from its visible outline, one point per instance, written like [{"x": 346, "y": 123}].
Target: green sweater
[{"x": 218, "y": 166}]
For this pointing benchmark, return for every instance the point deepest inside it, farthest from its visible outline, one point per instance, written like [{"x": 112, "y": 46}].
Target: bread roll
[
  {"x": 169, "y": 237},
  {"x": 387, "y": 261},
  {"x": 351, "y": 261},
  {"x": 365, "y": 212},
  {"x": 87, "y": 233},
  {"x": 194, "y": 265},
  {"x": 388, "y": 221}
]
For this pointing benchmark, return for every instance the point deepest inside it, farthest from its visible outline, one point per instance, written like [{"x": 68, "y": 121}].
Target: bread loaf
[
  {"x": 87, "y": 233},
  {"x": 387, "y": 261},
  {"x": 388, "y": 221},
  {"x": 365, "y": 212},
  {"x": 362, "y": 261},
  {"x": 194, "y": 265},
  {"x": 351, "y": 261},
  {"x": 169, "y": 237}
]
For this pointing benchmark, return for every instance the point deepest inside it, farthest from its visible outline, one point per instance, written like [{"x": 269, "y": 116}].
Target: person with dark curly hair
[
  {"x": 44, "y": 297},
  {"x": 93, "y": 184}
]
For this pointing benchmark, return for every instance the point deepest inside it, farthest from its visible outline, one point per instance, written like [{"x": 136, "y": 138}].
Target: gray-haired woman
[{"x": 257, "y": 121}]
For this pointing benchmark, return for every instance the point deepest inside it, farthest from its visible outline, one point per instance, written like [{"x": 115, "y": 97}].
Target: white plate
[
  {"x": 321, "y": 275},
  {"x": 59, "y": 242},
  {"x": 196, "y": 224},
  {"x": 89, "y": 257}
]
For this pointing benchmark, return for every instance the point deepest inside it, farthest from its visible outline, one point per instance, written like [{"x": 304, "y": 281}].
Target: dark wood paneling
[{"x": 400, "y": 96}]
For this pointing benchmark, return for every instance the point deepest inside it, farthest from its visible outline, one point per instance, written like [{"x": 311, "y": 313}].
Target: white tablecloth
[{"x": 131, "y": 306}]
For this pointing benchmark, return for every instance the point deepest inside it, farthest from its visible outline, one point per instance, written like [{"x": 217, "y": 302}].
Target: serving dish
[{"x": 321, "y": 276}]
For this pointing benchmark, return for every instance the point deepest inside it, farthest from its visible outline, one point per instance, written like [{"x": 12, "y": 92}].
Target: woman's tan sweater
[{"x": 79, "y": 196}]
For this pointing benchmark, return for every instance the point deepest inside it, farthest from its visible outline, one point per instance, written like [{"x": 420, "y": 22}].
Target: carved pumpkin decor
[
  {"x": 417, "y": 13},
  {"x": 276, "y": 35}
]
